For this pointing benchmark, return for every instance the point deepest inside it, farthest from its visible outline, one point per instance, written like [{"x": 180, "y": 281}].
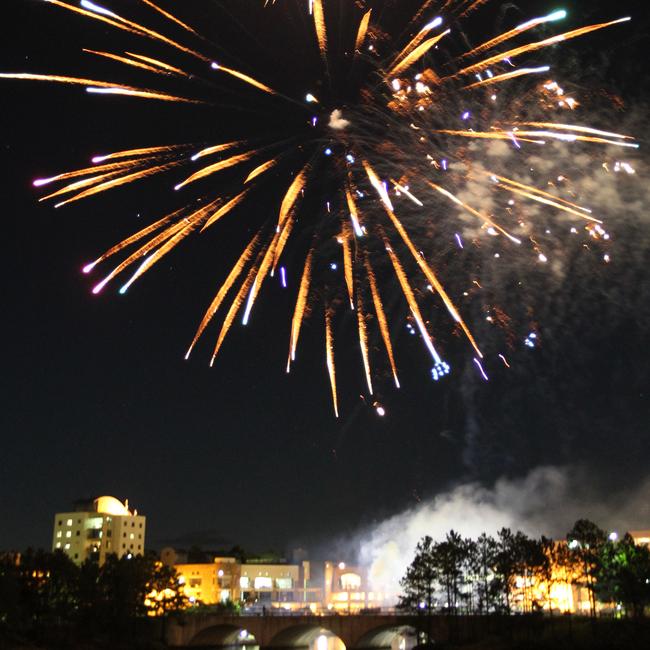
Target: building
[
  {"x": 96, "y": 528},
  {"x": 210, "y": 582},
  {"x": 641, "y": 537},
  {"x": 347, "y": 589}
]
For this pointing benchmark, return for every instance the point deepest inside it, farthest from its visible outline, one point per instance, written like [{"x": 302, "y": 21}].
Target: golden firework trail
[
  {"x": 412, "y": 302},
  {"x": 381, "y": 317},
  {"x": 160, "y": 64},
  {"x": 290, "y": 198},
  {"x": 100, "y": 87},
  {"x": 122, "y": 180},
  {"x": 354, "y": 213},
  {"x": 485, "y": 219},
  {"x": 363, "y": 342},
  {"x": 321, "y": 30},
  {"x": 329, "y": 353},
  {"x": 535, "y": 190},
  {"x": 261, "y": 169},
  {"x": 217, "y": 167},
  {"x": 170, "y": 17},
  {"x": 125, "y": 60},
  {"x": 236, "y": 271},
  {"x": 132, "y": 239},
  {"x": 531, "y": 47},
  {"x": 417, "y": 39},
  {"x": 345, "y": 237},
  {"x": 520, "y": 29},
  {"x": 415, "y": 55},
  {"x": 363, "y": 31},
  {"x": 300, "y": 309},
  {"x": 541, "y": 197},
  {"x": 235, "y": 307},
  {"x": 243, "y": 77},
  {"x": 507, "y": 76},
  {"x": 225, "y": 209},
  {"x": 399, "y": 105}
]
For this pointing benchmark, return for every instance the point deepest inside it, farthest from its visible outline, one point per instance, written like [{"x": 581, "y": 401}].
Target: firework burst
[{"x": 395, "y": 125}]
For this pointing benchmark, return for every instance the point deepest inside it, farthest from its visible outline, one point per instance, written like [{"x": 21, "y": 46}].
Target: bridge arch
[
  {"x": 396, "y": 637},
  {"x": 310, "y": 635},
  {"x": 224, "y": 635}
]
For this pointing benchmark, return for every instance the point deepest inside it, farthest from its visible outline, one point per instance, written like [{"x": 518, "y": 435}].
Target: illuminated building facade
[
  {"x": 210, "y": 582},
  {"x": 98, "y": 528},
  {"x": 347, "y": 590}
]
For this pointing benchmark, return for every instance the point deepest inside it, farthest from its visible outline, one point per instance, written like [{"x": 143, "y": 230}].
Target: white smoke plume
[{"x": 545, "y": 502}]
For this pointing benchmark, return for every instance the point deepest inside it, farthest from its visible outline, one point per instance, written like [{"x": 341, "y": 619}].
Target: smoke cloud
[{"x": 545, "y": 502}]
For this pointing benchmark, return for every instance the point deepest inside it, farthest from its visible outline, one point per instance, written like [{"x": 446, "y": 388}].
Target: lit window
[
  {"x": 244, "y": 582},
  {"x": 131, "y": 536},
  {"x": 69, "y": 522},
  {"x": 263, "y": 582},
  {"x": 350, "y": 581},
  {"x": 68, "y": 533},
  {"x": 284, "y": 583},
  {"x": 58, "y": 533},
  {"x": 58, "y": 544},
  {"x": 66, "y": 547}
]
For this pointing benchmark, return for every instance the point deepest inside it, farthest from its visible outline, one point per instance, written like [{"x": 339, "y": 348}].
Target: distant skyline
[{"x": 98, "y": 398}]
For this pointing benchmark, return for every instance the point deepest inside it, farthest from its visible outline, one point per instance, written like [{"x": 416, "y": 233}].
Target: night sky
[{"x": 98, "y": 399}]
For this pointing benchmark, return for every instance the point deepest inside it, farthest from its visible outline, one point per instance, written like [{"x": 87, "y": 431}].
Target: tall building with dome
[{"x": 98, "y": 527}]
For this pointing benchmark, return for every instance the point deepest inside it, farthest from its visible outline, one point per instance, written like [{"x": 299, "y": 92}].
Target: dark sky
[{"x": 97, "y": 397}]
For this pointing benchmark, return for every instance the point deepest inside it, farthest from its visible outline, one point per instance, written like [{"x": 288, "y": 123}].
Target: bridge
[{"x": 357, "y": 632}]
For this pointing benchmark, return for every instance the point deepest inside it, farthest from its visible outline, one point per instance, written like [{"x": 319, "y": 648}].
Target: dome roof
[{"x": 111, "y": 506}]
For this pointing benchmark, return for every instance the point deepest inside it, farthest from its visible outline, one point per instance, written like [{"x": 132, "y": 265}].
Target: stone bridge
[{"x": 357, "y": 632}]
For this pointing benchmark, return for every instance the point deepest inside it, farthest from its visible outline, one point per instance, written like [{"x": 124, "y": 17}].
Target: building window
[
  {"x": 244, "y": 582},
  {"x": 76, "y": 556},
  {"x": 58, "y": 544},
  {"x": 131, "y": 536},
  {"x": 123, "y": 545},
  {"x": 140, "y": 525},
  {"x": 124, "y": 535},
  {"x": 350, "y": 581},
  {"x": 69, "y": 522},
  {"x": 78, "y": 533},
  {"x": 58, "y": 533},
  {"x": 139, "y": 547},
  {"x": 60, "y": 523},
  {"x": 67, "y": 547},
  {"x": 263, "y": 582},
  {"x": 131, "y": 546},
  {"x": 68, "y": 533}
]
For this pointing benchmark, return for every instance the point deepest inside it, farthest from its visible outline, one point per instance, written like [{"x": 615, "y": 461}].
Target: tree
[
  {"x": 483, "y": 565},
  {"x": 585, "y": 541},
  {"x": 623, "y": 575},
  {"x": 419, "y": 583},
  {"x": 165, "y": 594},
  {"x": 449, "y": 558},
  {"x": 506, "y": 565}
]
